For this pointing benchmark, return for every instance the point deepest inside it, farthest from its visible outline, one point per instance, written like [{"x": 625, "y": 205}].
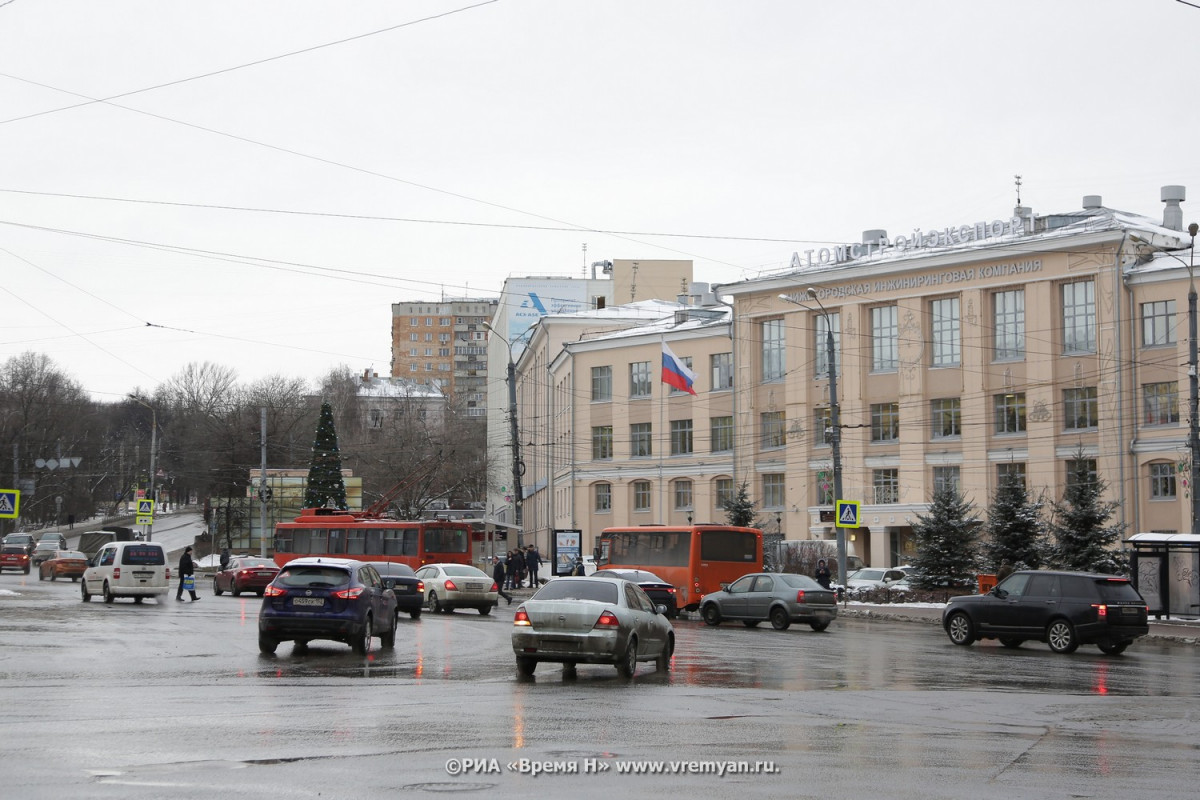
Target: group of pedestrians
[{"x": 516, "y": 569}]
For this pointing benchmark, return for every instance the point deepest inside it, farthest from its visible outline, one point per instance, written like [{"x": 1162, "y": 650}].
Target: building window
[
  {"x": 1079, "y": 317},
  {"x": 822, "y": 427},
  {"x": 773, "y": 493},
  {"x": 947, "y": 344},
  {"x": 772, "y": 350},
  {"x": 1160, "y": 403},
  {"x": 683, "y": 495},
  {"x": 771, "y": 430},
  {"x": 1080, "y": 409},
  {"x": 639, "y": 379},
  {"x": 603, "y": 497},
  {"x": 722, "y": 434},
  {"x": 1010, "y": 412},
  {"x": 687, "y": 362},
  {"x": 824, "y": 323},
  {"x": 414, "y": 337},
  {"x": 1158, "y": 323},
  {"x": 1162, "y": 481},
  {"x": 641, "y": 495},
  {"x": 722, "y": 371},
  {"x": 1081, "y": 470},
  {"x": 946, "y": 415},
  {"x": 724, "y": 494},
  {"x": 428, "y": 337},
  {"x": 885, "y": 422},
  {"x": 1009, "y": 313},
  {"x": 641, "y": 443},
  {"x": 886, "y": 483},
  {"x": 885, "y": 339},
  {"x": 947, "y": 479},
  {"x": 681, "y": 437},
  {"x": 602, "y": 442},
  {"x": 601, "y": 384},
  {"x": 1011, "y": 470}
]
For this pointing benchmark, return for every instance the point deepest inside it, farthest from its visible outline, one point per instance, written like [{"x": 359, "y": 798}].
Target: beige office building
[{"x": 964, "y": 354}]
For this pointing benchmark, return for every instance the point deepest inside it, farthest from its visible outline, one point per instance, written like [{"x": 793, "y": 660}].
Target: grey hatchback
[
  {"x": 1063, "y": 609},
  {"x": 782, "y": 598}
]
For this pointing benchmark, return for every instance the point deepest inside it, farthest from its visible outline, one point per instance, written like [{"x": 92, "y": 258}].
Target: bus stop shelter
[{"x": 1166, "y": 572}]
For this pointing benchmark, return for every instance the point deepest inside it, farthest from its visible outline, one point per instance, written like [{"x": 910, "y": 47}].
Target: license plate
[
  {"x": 308, "y": 601},
  {"x": 1131, "y": 610},
  {"x": 405, "y": 589}
]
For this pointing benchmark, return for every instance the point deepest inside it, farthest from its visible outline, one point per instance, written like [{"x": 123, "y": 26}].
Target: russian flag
[{"x": 675, "y": 373}]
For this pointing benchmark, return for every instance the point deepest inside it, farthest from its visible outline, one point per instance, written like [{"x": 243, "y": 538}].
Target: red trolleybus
[
  {"x": 345, "y": 534},
  {"x": 695, "y": 559}
]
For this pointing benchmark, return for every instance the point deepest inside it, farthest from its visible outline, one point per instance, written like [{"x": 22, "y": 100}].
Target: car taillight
[
  {"x": 421, "y": 587},
  {"x": 799, "y": 595},
  {"x": 494, "y": 588},
  {"x": 671, "y": 590},
  {"x": 607, "y": 620},
  {"x": 116, "y": 573},
  {"x": 1101, "y": 610},
  {"x": 274, "y": 591},
  {"x": 521, "y": 618},
  {"x": 246, "y": 572},
  {"x": 450, "y": 587},
  {"x": 349, "y": 594},
  {"x": 168, "y": 573}
]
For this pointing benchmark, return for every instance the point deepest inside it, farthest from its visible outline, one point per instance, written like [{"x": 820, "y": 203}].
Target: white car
[
  {"x": 451, "y": 586},
  {"x": 873, "y": 578},
  {"x": 127, "y": 569}
]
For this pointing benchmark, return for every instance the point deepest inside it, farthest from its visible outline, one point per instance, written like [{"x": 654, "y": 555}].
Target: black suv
[{"x": 1062, "y": 609}]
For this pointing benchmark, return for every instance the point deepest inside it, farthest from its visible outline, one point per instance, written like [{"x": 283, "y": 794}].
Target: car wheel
[
  {"x": 234, "y": 590},
  {"x": 388, "y": 639},
  {"x": 485, "y": 610},
  {"x": 435, "y": 605},
  {"x": 415, "y": 613},
  {"x": 1011, "y": 644},
  {"x": 53, "y": 575},
  {"x": 1113, "y": 648},
  {"x": 217, "y": 590},
  {"x": 526, "y": 665},
  {"x": 1060, "y": 635},
  {"x": 108, "y": 595},
  {"x": 84, "y": 593},
  {"x": 780, "y": 620},
  {"x": 960, "y": 629},
  {"x": 711, "y": 614},
  {"x": 628, "y": 663},
  {"x": 267, "y": 645},
  {"x": 663, "y": 662},
  {"x": 751, "y": 623},
  {"x": 362, "y": 643},
  {"x": 818, "y": 626}
]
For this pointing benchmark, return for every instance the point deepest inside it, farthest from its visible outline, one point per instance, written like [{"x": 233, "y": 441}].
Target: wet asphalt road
[{"x": 174, "y": 700}]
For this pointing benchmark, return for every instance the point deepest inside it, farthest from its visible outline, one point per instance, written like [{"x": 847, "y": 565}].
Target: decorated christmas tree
[{"x": 325, "y": 485}]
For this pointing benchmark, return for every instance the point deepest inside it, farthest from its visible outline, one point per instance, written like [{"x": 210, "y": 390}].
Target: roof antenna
[{"x": 1018, "y": 177}]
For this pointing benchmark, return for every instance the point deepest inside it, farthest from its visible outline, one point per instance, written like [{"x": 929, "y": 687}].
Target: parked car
[
  {"x": 451, "y": 586},
  {"x": 336, "y": 599},
  {"x": 591, "y": 620},
  {"x": 25, "y": 540},
  {"x": 1063, "y": 609},
  {"x": 127, "y": 569},
  {"x": 245, "y": 574},
  {"x": 659, "y": 591},
  {"x": 57, "y": 538},
  {"x": 14, "y": 556},
  {"x": 404, "y": 583},
  {"x": 63, "y": 564},
  {"x": 873, "y": 578},
  {"x": 46, "y": 548},
  {"x": 778, "y": 597}
]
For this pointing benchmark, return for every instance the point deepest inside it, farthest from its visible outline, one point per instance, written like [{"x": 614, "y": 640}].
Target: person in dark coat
[
  {"x": 514, "y": 564},
  {"x": 186, "y": 568},
  {"x": 498, "y": 577},
  {"x": 533, "y": 560},
  {"x": 822, "y": 574},
  {"x": 224, "y": 558},
  {"x": 579, "y": 569}
]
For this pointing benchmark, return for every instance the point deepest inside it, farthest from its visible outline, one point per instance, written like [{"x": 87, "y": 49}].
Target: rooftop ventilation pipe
[{"x": 1173, "y": 214}]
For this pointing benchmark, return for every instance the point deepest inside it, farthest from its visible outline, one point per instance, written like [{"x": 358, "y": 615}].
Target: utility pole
[{"x": 1193, "y": 385}]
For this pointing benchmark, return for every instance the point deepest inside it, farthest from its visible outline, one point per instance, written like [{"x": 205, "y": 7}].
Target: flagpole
[{"x": 662, "y": 426}]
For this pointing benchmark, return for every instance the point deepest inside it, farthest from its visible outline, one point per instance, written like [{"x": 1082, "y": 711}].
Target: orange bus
[
  {"x": 695, "y": 559},
  {"x": 344, "y": 534}
]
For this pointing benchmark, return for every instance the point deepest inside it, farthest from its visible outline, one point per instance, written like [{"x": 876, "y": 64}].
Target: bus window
[
  {"x": 337, "y": 542},
  {"x": 374, "y": 543},
  {"x": 445, "y": 540},
  {"x": 300, "y": 541},
  {"x": 728, "y": 546},
  {"x": 356, "y": 543},
  {"x": 283, "y": 541}
]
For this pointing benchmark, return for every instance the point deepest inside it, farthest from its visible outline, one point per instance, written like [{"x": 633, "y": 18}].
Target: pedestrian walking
[
  {"x": 498, "y": 576},
  {"x": 579, "y": 570},
  {"x": 187, "y": 576},
  {"x": 822, "y": 574},
  {"x": 513, "y": 566},
  {"x": 533, "y": 560},
  {"x": 224, "y": 558}
]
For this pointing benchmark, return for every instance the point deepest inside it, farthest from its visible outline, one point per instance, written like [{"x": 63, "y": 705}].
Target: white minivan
[{"x": 127, "y": 569}]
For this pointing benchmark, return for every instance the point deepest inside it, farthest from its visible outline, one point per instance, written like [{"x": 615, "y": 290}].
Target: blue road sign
[{"x": 847, "y": 513}]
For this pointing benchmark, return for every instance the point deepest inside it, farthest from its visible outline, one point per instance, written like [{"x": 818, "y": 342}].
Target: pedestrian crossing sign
[
  {"x": 847, "y": 513},
  {"x": 10, "y": 503},
  {"x": 145, "y": 508}
]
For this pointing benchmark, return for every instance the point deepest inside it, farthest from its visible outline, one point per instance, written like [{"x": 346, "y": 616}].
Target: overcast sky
[{"x": 254, "y": 183}]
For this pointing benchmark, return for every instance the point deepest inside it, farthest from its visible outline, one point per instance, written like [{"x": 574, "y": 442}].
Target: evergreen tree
[
  {"x": 1017, "y": 532},
  {"x": 325, "y": 484},
  {"x": 947, "y": 542},
  {"x": 1083, "y": 537},
  {"x": 739, "y": 509}
]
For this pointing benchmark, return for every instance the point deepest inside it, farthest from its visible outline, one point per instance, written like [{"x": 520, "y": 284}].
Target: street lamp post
[
  {"x": 153, "y": 448},
  {"x": 514, "y": 432},
  {"x": 835, "y": 424},
  {"x": 1194, "y": 386}
]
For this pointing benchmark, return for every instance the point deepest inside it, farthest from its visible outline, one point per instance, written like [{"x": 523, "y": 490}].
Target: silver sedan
[
  {"x": 594, "y": 620},
  {"x": 781, "y": 598}
]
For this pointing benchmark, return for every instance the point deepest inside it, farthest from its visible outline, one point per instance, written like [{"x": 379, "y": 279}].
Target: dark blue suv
[{"x": 327, "y": 598}]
